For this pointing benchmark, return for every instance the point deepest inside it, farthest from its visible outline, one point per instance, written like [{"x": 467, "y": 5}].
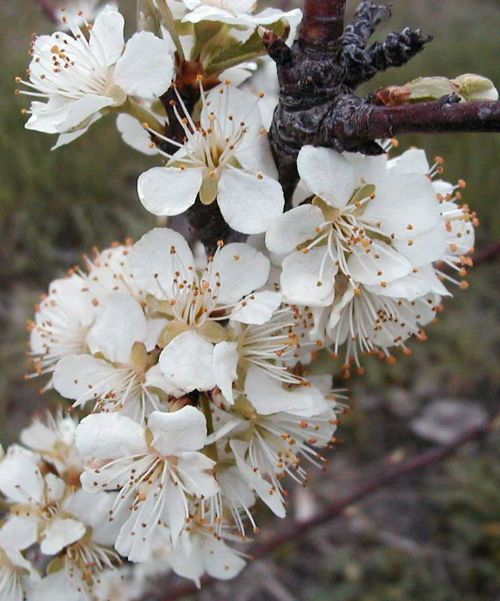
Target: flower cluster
[{"x": 192, "y": 376}]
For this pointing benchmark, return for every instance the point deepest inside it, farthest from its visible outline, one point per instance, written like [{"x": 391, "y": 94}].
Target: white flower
[
  {"x": 55, "y": 515},
  {"x": 268, "y": 347},
  {"x": 227, "y": 157},
  {"x": 54, "y": 440},
  {"x": 79, "y": 78},
  {"x": 264, "y": 80},
  {"x": 239, "y": 13},
  {"x": 199, "y": 551},
  {"x": 15, "y": 572},
  {"x": 270, "y": 429},
  {"x": 157, "y": 471},
  {"x": 370, "y": 322},
  {"x": 366, "y": 221},
  {"x": 61, "y": 323},
  {"x": 120, "y": 372},
  {"x": 196, "y": 302}
]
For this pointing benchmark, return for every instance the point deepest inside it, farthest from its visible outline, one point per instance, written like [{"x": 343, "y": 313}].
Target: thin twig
[
  {"x": 488, "y": 255},
  {"x": 48, "y": 10},
  {"x": 336, "y": 508}
]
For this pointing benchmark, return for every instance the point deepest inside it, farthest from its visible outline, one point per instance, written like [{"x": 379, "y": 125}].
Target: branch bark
[
  {"x": 337, "y": 507},
  {"x": 320, "y": 73},
  {"x": 322, "y": 23},
  {"x": 48, "y": 10}
]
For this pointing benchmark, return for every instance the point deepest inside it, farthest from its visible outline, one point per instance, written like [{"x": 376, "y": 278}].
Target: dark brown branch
[
  {"x": 318, "y": 107},
  {"x": 429, "y": 117},
  {"x": 322, "y": 23},
  {"x": 336, "y": 508},
  {"x": 48, "y": 10},
  {"x": 487, "y": 255}
]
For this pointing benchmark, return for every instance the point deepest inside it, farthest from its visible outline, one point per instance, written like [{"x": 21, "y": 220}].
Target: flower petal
[
  {"x": 327, "y": 174},
  {"x": 378, "y": 264},
  {"x": 134, "y": 134},
  {"x": 106, "y": 36},
  {"x": 308, "y": 278},
  {"x": 242, "y": 269},
  {"x": 155, "y": 259},
  {"x": 182, "y": 430},
  {"x": 146, "y": 67},
  {"x": 167, "y": 191},
  {"x": 293, "y": 228},
  {"x": 187, "y": 362},
  {"x": 118, "y": 327},
  {"x": 404, "y": 206},
  {"x": 257, "y": 308},
  {"x": 20, "y": 477},
  {"x": 59, "y": 533},
  {"x": 221, "y": 561},
  {"x": 269, "y": 396},
  {"x": 107, "y": 436},
  {"x": 225, "y": 362},
  {"x": 249, "y": 202}
]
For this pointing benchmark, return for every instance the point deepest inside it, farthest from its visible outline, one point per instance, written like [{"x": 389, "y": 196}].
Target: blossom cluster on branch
[{"x": 190, "y": 368}]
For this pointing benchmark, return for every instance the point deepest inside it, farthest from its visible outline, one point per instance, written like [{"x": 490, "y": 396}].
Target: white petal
[
  {"x": 293, "y": 228},
  {"x": 78, "y": 111},
  {"x": 188, "y": 564},
  {"x": 225, "y": 362},
  {"x": 20, "y": 477},
  {"x": 424, "y": 249},
  {"x": 118, "y": 327},
  {"x": 155, "y": 379},
  {"x": 106, "y": 36},
  {"x": 187, "y": 362},
  {"x": 248, "y": 201},
  {"x": 242, "y": 269},
  {"x": 413, "y": 160},
  {"x": 175, "y": 511},
  {"x": 257, "y": 308},
  {"x": 269, "y": 396},
  {"x": 135, "y": 135},
  {"x": 79, "y": 377},
  {"x": 272, "y": 498},
  {"x": 404, "y": 205},
  {"x": 220, "y": 560},
  {"x": 167, "y": 191},
  {"x": 196, "y": 471},
  {"x": 229, "y": 105},
  {"x": 381, "y": 264},
  {"x": 327, "y": 174},
  {"x": 146, "y": 67},
  {"x": 182, "y": 430},
  {"x": 19, "y": 532},
  {"x": 308, "y": 278},
  {"x": 107, "y": 436},
  {"x": 59, "y": 533},
  {"x": 153, "y": 265}
]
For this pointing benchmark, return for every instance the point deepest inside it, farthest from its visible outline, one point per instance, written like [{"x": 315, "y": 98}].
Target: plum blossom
[
  {"x": 16, "y": 573},
  {"x": 199, "y": 551},
  {"x": 157, "y": 470},
  {"x": 240, "y": 13},
  {"x": 74, "y": 79},
  {"x": 225, "y": 158},
  {"x": 195, "y": 302},
  {"x": 118, "y": 373}
]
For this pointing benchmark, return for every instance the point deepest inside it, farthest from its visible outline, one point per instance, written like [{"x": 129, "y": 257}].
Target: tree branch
[
  {"x": 336, "y": 508},
  {"x": 322, "y": 23},
  {"x": 318, "y": 107},
  {"x": 48, "y": 10}
]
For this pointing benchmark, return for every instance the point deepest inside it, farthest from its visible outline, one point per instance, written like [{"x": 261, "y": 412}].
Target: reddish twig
[
  {"x": 488, "y": 255},
  {"x": 323, "y": 22},
  {"x": 336, "y": 508},
  {"x": 48, "y": 10}
]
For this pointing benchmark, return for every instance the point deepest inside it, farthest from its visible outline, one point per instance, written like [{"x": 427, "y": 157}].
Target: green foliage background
[{"x": 56, "y": 205}]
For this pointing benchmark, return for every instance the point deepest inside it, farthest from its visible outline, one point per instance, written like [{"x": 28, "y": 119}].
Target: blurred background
[{"x": 434, "y": 536}]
